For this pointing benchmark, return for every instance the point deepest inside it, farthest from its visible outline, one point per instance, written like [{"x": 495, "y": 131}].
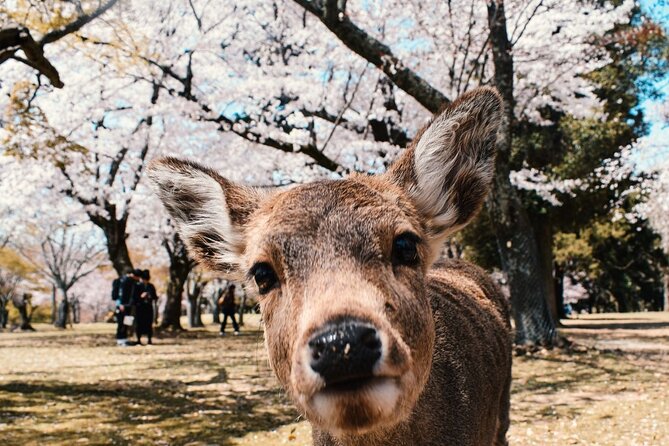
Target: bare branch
[
  {"x": 195, "y": 14},
  {"x": 344, "y": 108},
  {"x": 515, "y": 39}
]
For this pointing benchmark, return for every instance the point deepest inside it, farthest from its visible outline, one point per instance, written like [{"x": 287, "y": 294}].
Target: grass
[{"x": 75, "y": 387}]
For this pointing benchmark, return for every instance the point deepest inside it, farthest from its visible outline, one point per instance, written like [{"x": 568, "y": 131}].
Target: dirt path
[{"x": 75, "y": 387}]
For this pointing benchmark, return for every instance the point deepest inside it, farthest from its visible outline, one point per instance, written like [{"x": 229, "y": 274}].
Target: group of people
[{"x": 134, "y": 295}]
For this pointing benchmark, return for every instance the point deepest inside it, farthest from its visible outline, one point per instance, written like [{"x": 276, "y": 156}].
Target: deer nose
[{"x": 345, "y": 351}]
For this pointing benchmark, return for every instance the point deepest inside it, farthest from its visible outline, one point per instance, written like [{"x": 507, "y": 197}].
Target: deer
[{"x": 375, "y": 339}]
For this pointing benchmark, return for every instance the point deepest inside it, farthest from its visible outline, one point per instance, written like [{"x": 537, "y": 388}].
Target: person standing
[
  {"x": 124, "y": 292},
  {"x": 144, "y": 307},
  {"x": 227, "y": 303}
]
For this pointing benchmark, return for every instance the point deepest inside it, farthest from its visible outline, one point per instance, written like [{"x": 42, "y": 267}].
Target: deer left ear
[
  {"x": 448, "y": 169},
  {"x": 209, "y": 210}
]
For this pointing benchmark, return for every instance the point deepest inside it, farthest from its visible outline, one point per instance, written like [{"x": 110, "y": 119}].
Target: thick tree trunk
[
  {"x": 515, "y": 236},
  {"x": 521, "y": 261},
  {"x": 180, "y": 267},
  {"x": 117, "y": 248}
]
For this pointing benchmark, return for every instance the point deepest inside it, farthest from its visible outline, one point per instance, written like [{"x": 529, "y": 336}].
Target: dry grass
[{"x": 75, "y": 387}]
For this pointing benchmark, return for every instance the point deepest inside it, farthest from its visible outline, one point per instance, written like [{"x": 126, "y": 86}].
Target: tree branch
[
  {"x": 75, "y": 26},
  {"x": 14, "y": 39},
  {"x": 375, "y": 52}
]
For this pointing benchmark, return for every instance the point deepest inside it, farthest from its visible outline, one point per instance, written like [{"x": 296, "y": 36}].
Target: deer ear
[
  {"x": 449, "y": 167},
  {"x": 210, "y": 212}
]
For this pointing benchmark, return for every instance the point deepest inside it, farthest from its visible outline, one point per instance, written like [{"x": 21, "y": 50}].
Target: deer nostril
[
  {"x": 371, "y": 340},
  {"x": 317, "y": 346}
]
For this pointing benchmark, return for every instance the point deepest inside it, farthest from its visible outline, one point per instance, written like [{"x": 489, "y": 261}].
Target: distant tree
[{"x": 64, "y": 257}]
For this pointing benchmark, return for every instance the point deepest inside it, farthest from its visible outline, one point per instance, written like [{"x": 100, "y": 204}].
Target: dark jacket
[
  {"x": 127, "y": 291},
  {"x": 228, "y": 303},
  {"x": 144, "y": 307}
]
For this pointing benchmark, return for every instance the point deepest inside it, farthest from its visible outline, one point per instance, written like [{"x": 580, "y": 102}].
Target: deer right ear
[
  {"x": 210, "y": 212},
  {"x": 448, "y": 169}
]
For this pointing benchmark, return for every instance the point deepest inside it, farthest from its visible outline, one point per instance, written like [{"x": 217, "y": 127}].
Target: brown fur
[{"x": 444, "y": 374}]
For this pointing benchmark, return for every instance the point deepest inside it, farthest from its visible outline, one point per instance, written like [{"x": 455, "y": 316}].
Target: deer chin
[{"x": 363, "y": 405}]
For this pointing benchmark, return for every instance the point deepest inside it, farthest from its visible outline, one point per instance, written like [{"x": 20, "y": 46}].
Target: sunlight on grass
[{"x": 76, "y": 387}]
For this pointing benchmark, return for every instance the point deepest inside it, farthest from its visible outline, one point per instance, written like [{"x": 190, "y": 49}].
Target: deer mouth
[
  {"x": 357, "y": 405},
  {"x": 353, "y": 384}
]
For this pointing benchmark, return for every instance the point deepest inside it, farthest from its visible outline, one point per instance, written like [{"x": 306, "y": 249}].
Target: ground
[{"x": 75, "y": 387}]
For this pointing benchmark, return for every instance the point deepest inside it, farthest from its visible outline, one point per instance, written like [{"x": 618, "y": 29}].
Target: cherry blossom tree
[
  {"x": 287, "y": 91},
  {"x": 66, "y": 255}
]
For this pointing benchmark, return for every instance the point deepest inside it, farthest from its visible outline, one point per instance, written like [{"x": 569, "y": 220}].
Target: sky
[{"x": 657, "y": 141}]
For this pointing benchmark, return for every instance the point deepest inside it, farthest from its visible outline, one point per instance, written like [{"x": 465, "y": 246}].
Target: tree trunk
[
  {"x": 114, "y": 230},
  {"x": 544, "y": 234},
  {"x": 515, "y": 237},
  {"x": 180, "y": 267},
  {"x": 4, "y": 314},
  {"x": 53, "y": 304},
  {"x": 63, "y": 311},
  {"x": 193, "y": 310},
  {"x": 117, "y": 248},
  {"x": 242, "y": 307},
  {"x": 559, "y": 291},
  {"x": 215, "y": 308},
  {"x": 665, "y": 280},
  {"x": 194, "y": 288},
  {"x": 76, "y": 310}
]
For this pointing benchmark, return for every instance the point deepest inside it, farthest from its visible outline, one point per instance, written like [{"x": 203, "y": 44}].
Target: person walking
[
  {"x": 144, "y": 307},
  {"x": 124, "y": 290},
  {"x": 227, "y": 304}
]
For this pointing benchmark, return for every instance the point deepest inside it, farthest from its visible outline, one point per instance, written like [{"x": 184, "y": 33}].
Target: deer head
[{"x": 340, "y": 266}]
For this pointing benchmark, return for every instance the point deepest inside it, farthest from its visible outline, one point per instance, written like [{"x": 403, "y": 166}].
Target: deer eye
[
  {"x": 405, "y": 250},
  {"x": 264, "y": 276}
]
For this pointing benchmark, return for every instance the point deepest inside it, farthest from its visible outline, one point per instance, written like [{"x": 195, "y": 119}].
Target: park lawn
[{"x": 75, "y": 387}]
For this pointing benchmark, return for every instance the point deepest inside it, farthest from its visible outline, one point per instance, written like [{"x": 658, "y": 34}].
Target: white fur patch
[
  {"x": 445, "y": 150},
  {"x": 196, "y": 222}
]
